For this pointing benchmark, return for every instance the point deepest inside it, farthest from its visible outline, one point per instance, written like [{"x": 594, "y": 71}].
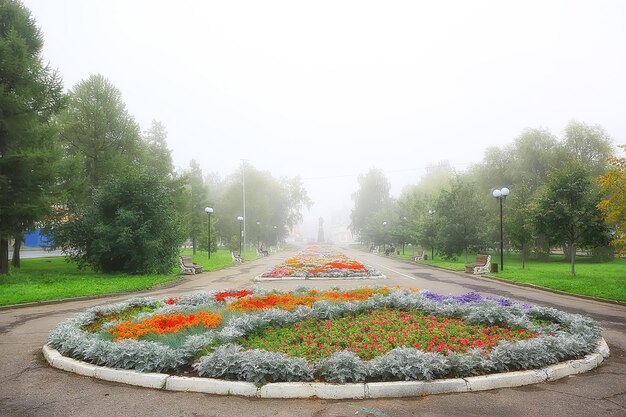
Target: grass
[
  {"x": 219, "y": 260},
  {"x": 596, "y": 279},
  {"x": 46, "y": 279}
]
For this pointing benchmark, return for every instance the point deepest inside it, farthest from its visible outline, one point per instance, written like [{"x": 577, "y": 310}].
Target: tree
[
  {"x": 566, "y": 211},
  {"x": 199, "y": 200},
  {"x": 132, "y": 227},
  {"x": 30, "y": 95},
  {"x": 460, "y": 218},
  {"x": 99, "y": 136},
  {"x": 535, "y": 154},
  {"x": 371, "y": 197},
  {"x": 157, "y": 156},
  {"x": 588, "y": 146},
  {"x": 613, "y": 205},
  {"x": 275, "y": 204},
  {"x": 519, "y": 219}
]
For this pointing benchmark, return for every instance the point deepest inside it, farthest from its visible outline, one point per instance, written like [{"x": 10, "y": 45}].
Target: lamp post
[
  {"x": 258, "y": 235},
  {"x": 240, "y": 218},
  {"x": 276, "y": 236},
  {"x": 384, "y": 237},
  {"x": 404, "y": 223},
  {"x": 501, "y": 195},
  {"x": 431, "y": 213},
  {"x": 208, "y": 211}
]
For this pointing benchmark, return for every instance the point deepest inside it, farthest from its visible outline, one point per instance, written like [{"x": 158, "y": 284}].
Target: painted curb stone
[{"x": 327, "y": 390}]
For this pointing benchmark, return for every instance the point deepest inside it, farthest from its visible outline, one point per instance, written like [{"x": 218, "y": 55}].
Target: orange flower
[{"x": 161, "y": 324}]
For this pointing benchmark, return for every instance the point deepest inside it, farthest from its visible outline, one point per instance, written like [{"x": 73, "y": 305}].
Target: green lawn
[
  {"x": 596, "y": 279},
  {"x": 45, "y": 279}
]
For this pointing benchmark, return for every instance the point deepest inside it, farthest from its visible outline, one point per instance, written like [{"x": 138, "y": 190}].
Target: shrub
[{"x": 131, "y": 227}]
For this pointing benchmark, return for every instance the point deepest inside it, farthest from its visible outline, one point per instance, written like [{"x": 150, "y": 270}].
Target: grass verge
[
  {"x": 46, "y": 279},
  {"x": 595, "y": 279}
]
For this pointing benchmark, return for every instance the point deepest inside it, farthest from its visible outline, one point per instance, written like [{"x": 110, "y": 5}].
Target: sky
[{"x": 326, "y": 90}]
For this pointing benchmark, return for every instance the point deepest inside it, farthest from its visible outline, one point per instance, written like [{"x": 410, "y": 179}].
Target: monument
[{"x": 320, "y": 231}]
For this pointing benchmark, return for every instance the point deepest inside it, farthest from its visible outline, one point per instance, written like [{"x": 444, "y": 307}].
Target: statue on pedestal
[{"x": 320, "y": 231}]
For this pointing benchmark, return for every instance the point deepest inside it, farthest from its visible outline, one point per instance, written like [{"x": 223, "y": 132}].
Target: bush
[{"x": 131, "y": 227}]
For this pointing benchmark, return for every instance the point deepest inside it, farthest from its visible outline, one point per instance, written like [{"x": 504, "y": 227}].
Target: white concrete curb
[{"x": 330, "y": 391}]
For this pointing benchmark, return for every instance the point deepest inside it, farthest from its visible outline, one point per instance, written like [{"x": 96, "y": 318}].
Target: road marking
[{"x": 397, "y": 272}]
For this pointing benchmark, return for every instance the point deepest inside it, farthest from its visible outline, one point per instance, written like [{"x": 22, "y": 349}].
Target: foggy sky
[{"x": 327, "y": 90}]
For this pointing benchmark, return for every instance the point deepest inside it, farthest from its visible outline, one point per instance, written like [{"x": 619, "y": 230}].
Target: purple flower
[{"x": 470, "y": 297}]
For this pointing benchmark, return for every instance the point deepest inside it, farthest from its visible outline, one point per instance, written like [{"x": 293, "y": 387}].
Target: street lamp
[
  {"x": 404, "y": 223},
  {"x": 258, "y": 234},
  {"x": 431, "y": 213},
  {"x": 501, "y": 195},
  {"x": 384, "y": 237},
  {"x": 276, "y": 235},
  {"x": 240, "y": 218},
  {"x": 208, "y": 211}
]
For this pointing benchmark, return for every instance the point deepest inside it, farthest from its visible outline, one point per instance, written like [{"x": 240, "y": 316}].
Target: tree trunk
[
  {"x": 4, "y": 256},
  {"x": 523, "y": 255},
  {"x": 15, "y": 261},
  {"x": 572, "y": 251},
  {"x": 194, "y": 244}
]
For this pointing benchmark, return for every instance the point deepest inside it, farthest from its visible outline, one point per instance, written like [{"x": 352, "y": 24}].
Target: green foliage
[
  {"x": 100, "y": 138},
  {"x": 131, "y": 227},
  {"x": 370, "y": 200},
  {"x": 30, "y": 95},
  {"x": 461, "y": 219},
  {"x": 275, "y": 204},
  {"x": 566, "y": 211},
  {"x": 157, "y": 157}
]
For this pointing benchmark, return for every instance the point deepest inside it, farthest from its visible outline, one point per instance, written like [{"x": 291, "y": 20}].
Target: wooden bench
[
  {"x": 187, "y": 264},
  {"x": 236, "y": 257},
  {"x": 481, "y": 266},
  {"x": 419, "y": 256}
]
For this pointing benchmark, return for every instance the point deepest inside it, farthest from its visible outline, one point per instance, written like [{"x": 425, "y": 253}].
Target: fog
[{"x": 327, "y": 90}]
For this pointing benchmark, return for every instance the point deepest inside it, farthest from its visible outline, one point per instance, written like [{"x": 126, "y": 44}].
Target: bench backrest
[
  {"x": 481, "y": 259},
  {"x": 186, "y": 260}
]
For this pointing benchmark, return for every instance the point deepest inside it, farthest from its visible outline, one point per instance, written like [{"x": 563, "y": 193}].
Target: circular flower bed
[
  {"x": 368, "y": 334},
  {"x": 317, "y": 262}
]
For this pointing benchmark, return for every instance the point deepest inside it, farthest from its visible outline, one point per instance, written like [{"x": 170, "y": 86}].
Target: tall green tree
[
  {"x": 567, "y": 211},
  {"x": 460, "y": 218},
  {"x": 99, "y": 136},
  {"x": 518, "y": 220},
  {"x": 371, "y": 197},
  {"x": 30, "y": 95},
  {"x": 589, "y": 146},
  {"x": 199, "y": 201},
  {"x": 158, "y": 157}
]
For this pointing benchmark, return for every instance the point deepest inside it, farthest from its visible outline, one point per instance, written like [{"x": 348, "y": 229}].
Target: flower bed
[
  {"x": 317, "y": 262},
  {"x": 336, "y": 336}
]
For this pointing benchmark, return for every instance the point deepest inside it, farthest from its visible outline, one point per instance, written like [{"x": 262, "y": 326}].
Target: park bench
[
  {"x": 236, "y": 257},
  {"x": 481, "y": 266},
  {"x": 419, "y": 256},
  {"x": 187, "y": 263}
]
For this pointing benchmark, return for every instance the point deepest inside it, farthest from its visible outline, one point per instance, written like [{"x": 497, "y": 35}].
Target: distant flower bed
[
  {"x": 319, "y": 262},
  {"x": 367, "y": 334}
]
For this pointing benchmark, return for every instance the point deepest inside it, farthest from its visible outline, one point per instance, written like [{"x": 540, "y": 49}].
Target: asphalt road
[{"x": 29, "y": 387}]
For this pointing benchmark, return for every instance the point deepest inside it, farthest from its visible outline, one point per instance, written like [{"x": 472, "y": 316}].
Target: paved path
[{"x": 29, "y": 387}]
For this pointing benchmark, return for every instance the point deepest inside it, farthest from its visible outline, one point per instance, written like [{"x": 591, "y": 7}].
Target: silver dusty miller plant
[{"x": 568, "y": 336}]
